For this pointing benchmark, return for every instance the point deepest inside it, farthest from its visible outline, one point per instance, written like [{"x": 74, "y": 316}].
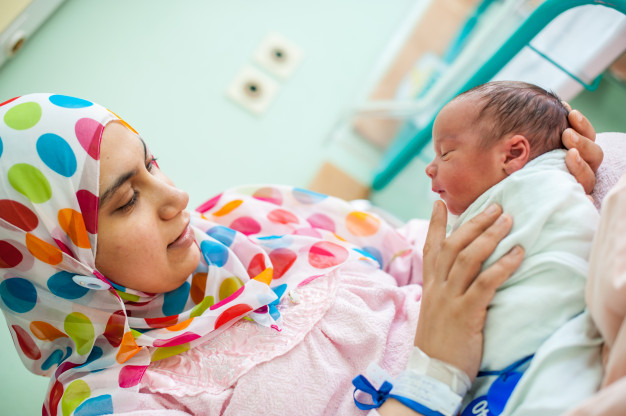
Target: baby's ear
[{"x": 517, "y": 152}]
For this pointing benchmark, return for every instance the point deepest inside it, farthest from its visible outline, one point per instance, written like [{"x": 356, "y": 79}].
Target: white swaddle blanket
[{"x": 555, "y": 222}]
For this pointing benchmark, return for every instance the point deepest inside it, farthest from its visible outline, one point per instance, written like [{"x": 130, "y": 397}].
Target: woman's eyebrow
[
  {"x": 122, "y": 179},
  {"x": 116, "y": 185},
  {"x": 145, "y": 148}
]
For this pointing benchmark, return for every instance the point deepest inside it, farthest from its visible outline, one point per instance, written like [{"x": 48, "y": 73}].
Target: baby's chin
[{"x": 454, "y": 208}]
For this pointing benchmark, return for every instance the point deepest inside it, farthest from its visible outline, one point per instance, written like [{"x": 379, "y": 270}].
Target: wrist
[
  {"x": 428, "y": 386},
  {"x": 455, "y": 378}
]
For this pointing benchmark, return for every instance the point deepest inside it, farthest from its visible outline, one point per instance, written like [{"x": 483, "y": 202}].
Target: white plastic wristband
[
  {"x": 456, "y": 379},
  {"x": 433, "y": 394}
]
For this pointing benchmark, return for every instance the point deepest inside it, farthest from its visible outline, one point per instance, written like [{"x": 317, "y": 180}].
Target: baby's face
[
  {"x": 461, "y": 170},
  {"x": 144, "y": 239}
]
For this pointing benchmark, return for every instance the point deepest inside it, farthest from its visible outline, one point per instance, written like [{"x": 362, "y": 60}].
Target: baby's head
[{"x": 487, "y": 133}]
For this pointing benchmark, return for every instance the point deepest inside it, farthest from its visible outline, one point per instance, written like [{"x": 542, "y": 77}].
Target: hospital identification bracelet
[{"x": 428, "y": 386}]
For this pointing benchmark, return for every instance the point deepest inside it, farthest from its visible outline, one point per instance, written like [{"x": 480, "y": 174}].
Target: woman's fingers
[
  {"x": 582, "y": 136},
  {"x": 581, "y": 170},
  {"x": 584, "y": 155},
  {"x": 581, "y": 124},
  {"x": 469, "y": 261},
  {"x": 435, "y": 236},
  {"x": 484, "y": 287}
]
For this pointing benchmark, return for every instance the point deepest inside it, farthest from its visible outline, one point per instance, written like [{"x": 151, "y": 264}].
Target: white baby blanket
[{"x": 555, "y": 222}]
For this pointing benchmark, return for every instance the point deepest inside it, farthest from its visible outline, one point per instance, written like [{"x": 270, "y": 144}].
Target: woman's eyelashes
[
  {"x": 131, "y": 202},
  {"x": 133, "y": 199},
  {"x": 152, "y": 162}
]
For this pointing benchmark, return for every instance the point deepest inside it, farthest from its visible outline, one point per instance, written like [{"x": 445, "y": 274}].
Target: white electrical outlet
[
  {"x": 253, "y": 90},
  {"x": 278, "y": 55}
]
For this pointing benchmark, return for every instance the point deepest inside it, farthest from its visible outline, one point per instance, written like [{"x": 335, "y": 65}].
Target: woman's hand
[
  {"x": 584, "y": 154},
  {"x": 455, "y": 291}
]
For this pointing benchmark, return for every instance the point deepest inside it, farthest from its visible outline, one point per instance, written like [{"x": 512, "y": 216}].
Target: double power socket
[{"x": 252, "y": 88}]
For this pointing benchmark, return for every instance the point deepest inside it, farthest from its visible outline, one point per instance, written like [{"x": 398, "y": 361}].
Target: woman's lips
[{"x": 184, "y": 240}]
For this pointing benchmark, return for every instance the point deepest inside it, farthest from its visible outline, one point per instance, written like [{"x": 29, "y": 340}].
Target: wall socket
[
  {"x": 253, "y": 90},
  {"x": 279, "y": 56}
]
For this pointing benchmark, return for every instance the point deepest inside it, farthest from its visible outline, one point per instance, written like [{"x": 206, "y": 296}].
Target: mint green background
[{"x": 165, "y": 66}]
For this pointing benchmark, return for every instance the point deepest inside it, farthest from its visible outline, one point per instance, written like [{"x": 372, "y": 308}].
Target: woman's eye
[
  {"x": 152, "y": 163},
  {"x": 133, "y": 200}
]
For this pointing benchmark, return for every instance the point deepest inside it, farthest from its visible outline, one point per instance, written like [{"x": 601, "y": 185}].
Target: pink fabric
[
  {"x": 613, "y": 164},
  {"x": 312, "y": 358},
  {"x": 606, "y": 289}
]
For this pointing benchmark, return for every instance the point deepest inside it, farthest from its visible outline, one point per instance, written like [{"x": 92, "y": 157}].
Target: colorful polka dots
[
  {"x": 282, "y": 216},
  {"x": 76, "y": 393},
  {"x": 43, "y": 251},
  {"x": 54, "y": 359},
  {"x": 305, "y": 196},
  {"x": 229, "y": 286},
  {"x": 56, "y": 154},
  {"x": 69, "y": 102},
  {"x": 127, "y": 349},
  {"x": 100, "y": 405},
  {"x": 30, "y": 182},
  {"x": 174, "y": 301},
  {"x": 26, "y": 343},
  {"x": 72, "y": 223},
  {"x": 282, "y": 260},
  {"x": 232, "y": 313},
  {"x": 222, "y": 234},
  {"x": 228, "y": 208},
  {"x": 62, "y": 284},
  {"x": 88, "y": 203},
  {"x": 325, "y": 254},
  {"x": 362, "y": 223},
  {"x": 114, "y": 330},
  {"x": 246, "y": 225},
  {"x": 206, "y": 206},
  {"x": 130, "y": 375},
  {"x": 322, "y": 221},
  {"x": 45, "y": 331},
  {"x": 19, "y": 295},
  {"x": 215, "y": 253},
  {"x": 79, "y": 327},
  {"x": 23, "y": 116},
  {"x": 269, "y": 194},
  {"x": 9, "y": 255},
  {"x": 165, "y": 352},
  {"x": 18, "y": 214},
  {"x": 88, "y": 132}
]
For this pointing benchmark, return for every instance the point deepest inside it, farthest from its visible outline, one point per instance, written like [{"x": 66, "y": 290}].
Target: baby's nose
[{"x": 430, "y": 170}]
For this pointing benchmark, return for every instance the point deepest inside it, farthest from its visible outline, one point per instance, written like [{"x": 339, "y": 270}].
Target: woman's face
[{"x": 144, "y": 239}]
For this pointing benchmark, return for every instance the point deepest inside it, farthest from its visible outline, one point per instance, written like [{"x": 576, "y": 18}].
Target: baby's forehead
[{"x": 466, "y": 107}]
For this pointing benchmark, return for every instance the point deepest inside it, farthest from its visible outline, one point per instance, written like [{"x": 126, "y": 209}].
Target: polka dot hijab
[{"x": 94, "y": 338}]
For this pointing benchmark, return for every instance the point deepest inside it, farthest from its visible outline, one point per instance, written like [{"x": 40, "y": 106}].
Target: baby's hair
[{"x": 513, "y": 107}]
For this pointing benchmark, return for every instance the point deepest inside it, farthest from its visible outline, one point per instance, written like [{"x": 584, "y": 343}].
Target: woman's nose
[
  {"x": 173, "y": 201},
  {"x": 431, "y": 170}
]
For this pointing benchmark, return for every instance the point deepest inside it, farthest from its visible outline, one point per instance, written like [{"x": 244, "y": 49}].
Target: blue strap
[
  {"x": 378, "y": 396},
  {"x": 507, "y": 370},
  {"x": 381, "y": 395}
]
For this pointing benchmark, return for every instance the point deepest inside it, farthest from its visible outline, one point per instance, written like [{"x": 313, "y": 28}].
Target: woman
[{"x": 150, "y": 322}]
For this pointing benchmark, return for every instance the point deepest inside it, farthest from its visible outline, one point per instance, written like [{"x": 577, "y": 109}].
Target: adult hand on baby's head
[
  {"x": 584, "y": 155},
  {"x": 456, "y": 292}
]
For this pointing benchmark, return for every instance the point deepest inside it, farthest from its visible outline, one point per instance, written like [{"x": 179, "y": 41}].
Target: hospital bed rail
[{"x": 403, "y": 150}]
